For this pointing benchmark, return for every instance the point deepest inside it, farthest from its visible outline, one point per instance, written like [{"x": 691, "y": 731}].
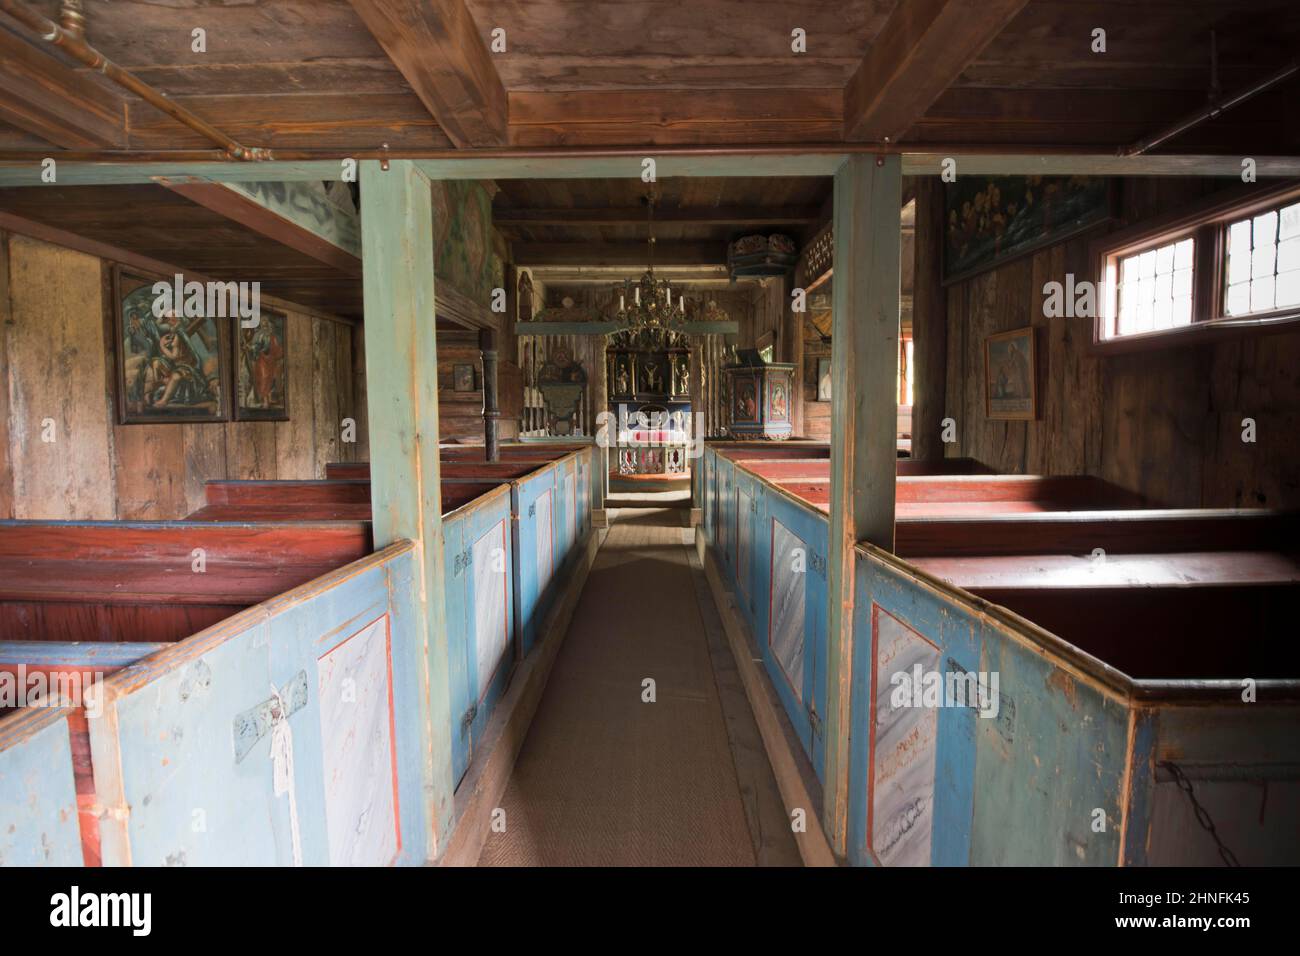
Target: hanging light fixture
[{"x": 649, "y": 305}]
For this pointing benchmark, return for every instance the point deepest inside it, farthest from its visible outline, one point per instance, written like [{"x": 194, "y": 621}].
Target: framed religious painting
[
  {"x": 1010, "y": 376},
  {"x": 262, "y": 369},
  {"x": 170, "y": 359},
  {"x": 462, "y": 378},
  {"x": 990, "y": 220}
]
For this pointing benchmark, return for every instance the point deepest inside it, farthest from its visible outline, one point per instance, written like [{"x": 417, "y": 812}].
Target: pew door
[
  {"x": 563, "y": 512},
  {"x": 584, "y": 494},
  {"x": 726, "y": 535},
  {"x": 534, "y": 564},
  {"x": 746, "y": 531},
  {"x": 455, "y": 567},
  {"x": 794, "y": 627},
  {"x": 491, "y": 652}
]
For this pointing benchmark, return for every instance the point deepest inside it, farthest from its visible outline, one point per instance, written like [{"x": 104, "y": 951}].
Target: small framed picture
[
  {"x": 170, "y": 363},
  {"x": 1010, "y": 376},
  {"x": 262, "y": 369},
  {"x": 824, "y": 379},
  {"x": 462, "y": 378}
]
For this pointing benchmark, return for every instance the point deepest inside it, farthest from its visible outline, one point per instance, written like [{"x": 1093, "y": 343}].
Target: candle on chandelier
[
  {"x": 622, "y": 302},
  {"x": 638, "y": 295}
]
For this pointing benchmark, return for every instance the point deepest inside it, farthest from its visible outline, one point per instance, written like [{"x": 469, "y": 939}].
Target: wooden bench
[
  {"x": 536, "y": 453},
  {"x": 784, "y": 469},
  {"x": 926, "y": 496},
  {"x": 1153, "y": 593},
  {"x": 137, "y": 581},
  {"x": 339, "y": 499}
]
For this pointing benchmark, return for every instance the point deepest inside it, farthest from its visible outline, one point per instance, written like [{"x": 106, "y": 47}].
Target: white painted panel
[
  {"x": 786, "y": 627},
  {"x": 571, "y": 495},
  {"x": 544, "y": 533},
  {"x": 744, "y": 536},
  {"x": 902, "y": 804},
  {"x": 490, "y": 594},
  {"x": 356, "y": 733}
]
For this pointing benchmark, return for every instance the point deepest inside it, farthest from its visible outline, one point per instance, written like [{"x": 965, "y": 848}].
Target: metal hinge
[{"x": 815, "y": 721}]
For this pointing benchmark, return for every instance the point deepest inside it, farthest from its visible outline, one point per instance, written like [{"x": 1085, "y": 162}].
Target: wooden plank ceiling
[
  {"x": 351, "y": 75},
  {"x": 566, "y": 222}
]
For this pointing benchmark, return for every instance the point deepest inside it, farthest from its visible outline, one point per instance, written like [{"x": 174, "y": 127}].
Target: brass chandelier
[{"x": 648, "y": 305}]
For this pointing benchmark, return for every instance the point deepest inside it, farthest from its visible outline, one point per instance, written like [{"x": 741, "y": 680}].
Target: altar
[
  {"x": 654, "y": 440},
  {"x": 649, "y": 394}
]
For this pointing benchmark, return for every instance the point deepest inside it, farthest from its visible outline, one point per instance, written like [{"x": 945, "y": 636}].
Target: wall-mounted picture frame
[
  {"x": 462, "y": 378},
  {"x": 824, "y": 379},
  {"x": 1011, "y": 376},
  {"x": 169, "y": 367},
  {"x": 991, "y": 220},
  {"x": 261, "y": 379}
]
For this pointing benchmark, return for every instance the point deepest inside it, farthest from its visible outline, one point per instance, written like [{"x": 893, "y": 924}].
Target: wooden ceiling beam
[
  {"x": 660, "y": 117},
  {"x": 238, "y": 208},
  {"x": 629, "y": 254},
  {"x": 437, "y": 46},
  {"x": 923, "y": 47},
  {"x": 43, "y": 96},
  {"x": 636, "y": 215}
]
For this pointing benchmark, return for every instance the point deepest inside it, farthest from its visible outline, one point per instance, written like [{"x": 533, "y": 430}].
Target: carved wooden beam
[
  {"x": 438, "y": 48},
  {"x": 921, "y": 50}
]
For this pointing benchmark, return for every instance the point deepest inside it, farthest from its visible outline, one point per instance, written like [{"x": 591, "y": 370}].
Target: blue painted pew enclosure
[
  {"x": 772, "y": 550},
  {"x": 1059, "y": 759},
  {"x": 296, "y": 732}
]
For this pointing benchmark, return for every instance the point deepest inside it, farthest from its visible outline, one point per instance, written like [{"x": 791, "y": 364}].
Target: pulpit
[{"x": 760, "y": 396}]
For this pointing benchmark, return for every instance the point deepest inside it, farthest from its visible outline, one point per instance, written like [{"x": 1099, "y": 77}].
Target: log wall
[{"x": 56, "y": 362}]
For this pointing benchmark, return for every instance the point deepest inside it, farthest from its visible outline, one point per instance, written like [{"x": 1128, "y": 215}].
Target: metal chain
[{"x": 1202, "y": 817}]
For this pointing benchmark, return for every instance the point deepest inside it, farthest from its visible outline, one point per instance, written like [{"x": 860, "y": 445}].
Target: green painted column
[
  {"x": 864, "y": 424},
  {"x": 402, "y": 404}
]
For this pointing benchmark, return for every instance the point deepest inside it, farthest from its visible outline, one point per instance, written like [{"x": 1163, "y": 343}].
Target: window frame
[{"x": 1206, "y": 223}]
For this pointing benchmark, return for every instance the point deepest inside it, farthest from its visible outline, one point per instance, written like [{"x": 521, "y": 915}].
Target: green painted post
[
  {"x": 864, "y": 417},
  {"x": 401, "y": 372}
]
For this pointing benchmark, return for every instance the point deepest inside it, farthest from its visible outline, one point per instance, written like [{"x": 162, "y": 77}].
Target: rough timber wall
[
  {"x": 56, "y": 363},
  {"x": 1164, "y": 422}
]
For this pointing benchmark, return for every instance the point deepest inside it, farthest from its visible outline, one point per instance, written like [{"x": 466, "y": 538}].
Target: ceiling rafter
[
  {"x": 438, "y": 49},
  {"x": 43, "y": 96},
  {"x": 923, "y": 47}
]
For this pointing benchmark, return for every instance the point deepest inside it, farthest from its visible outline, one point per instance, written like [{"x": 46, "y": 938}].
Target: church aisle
[{"x": 605, "y": 778}]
